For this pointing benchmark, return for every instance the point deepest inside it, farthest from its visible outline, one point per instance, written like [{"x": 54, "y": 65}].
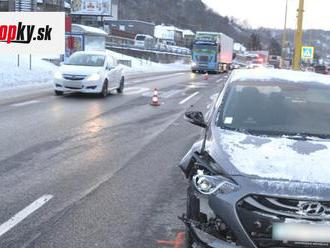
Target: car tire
[
  {"x": 193, "y": 71},
  {"x": 104, "y": 93},
  {"x": 192, "y": 213},
  {"x": 58, "y": 93},
  {"x": 120, "y": 90}
]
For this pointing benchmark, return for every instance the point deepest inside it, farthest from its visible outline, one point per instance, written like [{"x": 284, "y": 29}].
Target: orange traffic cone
[
  {"x": 206, "y": 76},
  {"x": 155, "y": 99}
]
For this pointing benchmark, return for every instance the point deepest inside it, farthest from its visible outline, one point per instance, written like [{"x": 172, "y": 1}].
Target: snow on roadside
[{"x": 12, "y": 77}]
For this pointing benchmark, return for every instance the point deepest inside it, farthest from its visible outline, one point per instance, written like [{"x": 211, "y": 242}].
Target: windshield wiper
[
  {"x": 306, "y": 136},
  {"x": 289, "y": 135},
  {"x": 240, "y": 130}
]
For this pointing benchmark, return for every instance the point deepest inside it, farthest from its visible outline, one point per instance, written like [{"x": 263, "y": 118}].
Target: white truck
[{"x": 212, "y": 52}]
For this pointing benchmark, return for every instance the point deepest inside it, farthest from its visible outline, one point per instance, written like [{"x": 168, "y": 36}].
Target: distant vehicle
[
  {"x": 212, "y": 52},
  {"x": 261, "y": 57},
  {"x": 255, "y": 66},
  {"x": 144, "y": 41},
  {"x": 89, "y": 72},
  {"x": 270, "y": 66},
  {"x": 258, "y": 174},
  {"x": 310, "y": 69},
  {"x": 322, "y": 69},
  {"x": 276, "y": 61},
  {"x": 235, "y": 66}
]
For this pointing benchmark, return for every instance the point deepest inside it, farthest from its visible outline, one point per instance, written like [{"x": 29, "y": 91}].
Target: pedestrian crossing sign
[{"x": 307, "y": 52}]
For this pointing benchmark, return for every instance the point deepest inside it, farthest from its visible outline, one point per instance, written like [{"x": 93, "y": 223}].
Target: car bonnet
[{"x": 278, "y": 158}]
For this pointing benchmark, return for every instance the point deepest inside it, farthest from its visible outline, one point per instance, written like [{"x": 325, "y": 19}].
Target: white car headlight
[
  {"x": 94, "y": 77},
  {"x": 58, "y": 75},
  {"x": 193, "y": 64},
  {"x": 208, "y": 185}
]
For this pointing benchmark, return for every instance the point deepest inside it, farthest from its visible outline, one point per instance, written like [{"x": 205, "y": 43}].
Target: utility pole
[
  {"x": 299, "y": 36},
  {"x": 284, "y": 37}
]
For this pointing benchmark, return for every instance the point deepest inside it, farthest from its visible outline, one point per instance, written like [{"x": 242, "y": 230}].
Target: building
[
  {"x": 188, "y": 38},
  {"x": 239, "y": 48},
  {"x": 131, "y": 26},
  {"x": 6, "y": 5},
  {"x": 94, "y": 13},
  {"x": 170, "y": 35},
  {"x": 33, "y": 5}
]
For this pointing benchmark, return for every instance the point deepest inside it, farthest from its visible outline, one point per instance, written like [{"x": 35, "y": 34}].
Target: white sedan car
[{"x": 89, "y": 72}]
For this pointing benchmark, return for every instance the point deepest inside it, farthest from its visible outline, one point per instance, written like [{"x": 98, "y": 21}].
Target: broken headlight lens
[{"x": 208, "y": 185}]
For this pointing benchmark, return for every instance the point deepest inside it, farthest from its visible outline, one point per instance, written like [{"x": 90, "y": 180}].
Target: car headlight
[
  {"x": 193, "y": 64},
  {"x": 58, "y": 75},
  {"x": 208, "y": 185},
  {"x": 93, "y": 77}
]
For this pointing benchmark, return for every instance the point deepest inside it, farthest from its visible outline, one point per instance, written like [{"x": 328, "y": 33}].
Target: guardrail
[
  {"x": 125, "y": 43},
  {"x": 125, "y": 62}
]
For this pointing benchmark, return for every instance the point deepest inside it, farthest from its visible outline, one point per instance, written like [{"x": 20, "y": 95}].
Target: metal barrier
[
  {"x": 125, "y": 43},
  {"x": 125, "y": 62}
]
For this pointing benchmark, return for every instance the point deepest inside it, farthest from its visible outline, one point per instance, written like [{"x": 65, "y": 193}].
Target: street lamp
[
  {"x": 298, "y": 36},
  {"x": 284, "y": 37}
]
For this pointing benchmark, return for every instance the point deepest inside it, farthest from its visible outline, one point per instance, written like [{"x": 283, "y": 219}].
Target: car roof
[{"x": 278, "y": 75}]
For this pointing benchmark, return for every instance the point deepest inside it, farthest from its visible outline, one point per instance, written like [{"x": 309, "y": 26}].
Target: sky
[{"x": 271, "y": 13}]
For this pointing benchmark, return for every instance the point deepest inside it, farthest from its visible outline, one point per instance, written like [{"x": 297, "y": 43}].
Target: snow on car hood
[
  {"x": 277, "y": 158},
  {"x": 79, "y": 70}
]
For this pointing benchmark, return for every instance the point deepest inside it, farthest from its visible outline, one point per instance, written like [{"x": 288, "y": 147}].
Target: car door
[
  {"x": 111, "y": 72},
  {"x": 117, "y": 72}
]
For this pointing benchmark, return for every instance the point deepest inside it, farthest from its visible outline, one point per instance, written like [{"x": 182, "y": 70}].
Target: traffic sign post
[{"x": 307, "y": 53}]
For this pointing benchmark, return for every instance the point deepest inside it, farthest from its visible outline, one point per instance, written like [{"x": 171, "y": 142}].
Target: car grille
[
  {"x": 73, "y": 85},
  {"x": 73, "y": 77},
  {"x": 203, "y": 58},
  {"x": 258, "y": 214}
]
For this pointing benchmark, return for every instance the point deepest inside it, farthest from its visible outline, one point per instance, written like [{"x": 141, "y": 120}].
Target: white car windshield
[{"x": 86, "y": 60}]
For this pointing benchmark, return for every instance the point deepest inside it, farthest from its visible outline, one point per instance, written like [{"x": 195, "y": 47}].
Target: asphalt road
[{"x": 80, "y": 171}]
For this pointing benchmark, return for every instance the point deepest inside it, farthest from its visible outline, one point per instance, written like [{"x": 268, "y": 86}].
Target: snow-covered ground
[{"x": 12, "y": 76}]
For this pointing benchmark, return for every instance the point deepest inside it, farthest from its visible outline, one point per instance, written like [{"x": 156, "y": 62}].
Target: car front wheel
[
  {"x": 120, "y": 90},
  {"x": 58, "y": 93},
  {"x": 104, "y": 92}
]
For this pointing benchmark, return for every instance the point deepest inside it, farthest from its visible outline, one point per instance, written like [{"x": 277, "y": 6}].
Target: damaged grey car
[{"x": 259, "y": 176}]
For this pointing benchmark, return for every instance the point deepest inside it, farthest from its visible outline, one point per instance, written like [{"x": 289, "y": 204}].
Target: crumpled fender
[{"x": 186, "y": 162}]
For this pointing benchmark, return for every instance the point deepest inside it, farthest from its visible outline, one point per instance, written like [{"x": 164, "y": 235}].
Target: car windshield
[
  {"x": 86, "y": 60},
  {"x": 278, "y": 109},
  {"x": 140, "y": 37}
]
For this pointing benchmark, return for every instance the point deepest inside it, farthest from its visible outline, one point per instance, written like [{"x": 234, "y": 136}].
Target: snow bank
[
  {"x": 12, "y": 76},
  {"x": 42, "y": 71}
]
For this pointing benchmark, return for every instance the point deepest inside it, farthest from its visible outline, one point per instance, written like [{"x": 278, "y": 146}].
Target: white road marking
[
  {"x": 199, "y": 84},
  {"x": 137, "y": 81},
  {"x": 20, "y": 216},
  {"x": 171, "y": 93},
  {"x": 135, "y": 90},
  {"x": 24, "y": 103},
  {"x": 147, "y": 79},
  {"x": 188, "y": 98},
  {"x": 164, "y": 76},
  {"x": 218, "y": 81}
]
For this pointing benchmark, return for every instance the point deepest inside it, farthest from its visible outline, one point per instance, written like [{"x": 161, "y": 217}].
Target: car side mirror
[{"x": 196, "y": 118}]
